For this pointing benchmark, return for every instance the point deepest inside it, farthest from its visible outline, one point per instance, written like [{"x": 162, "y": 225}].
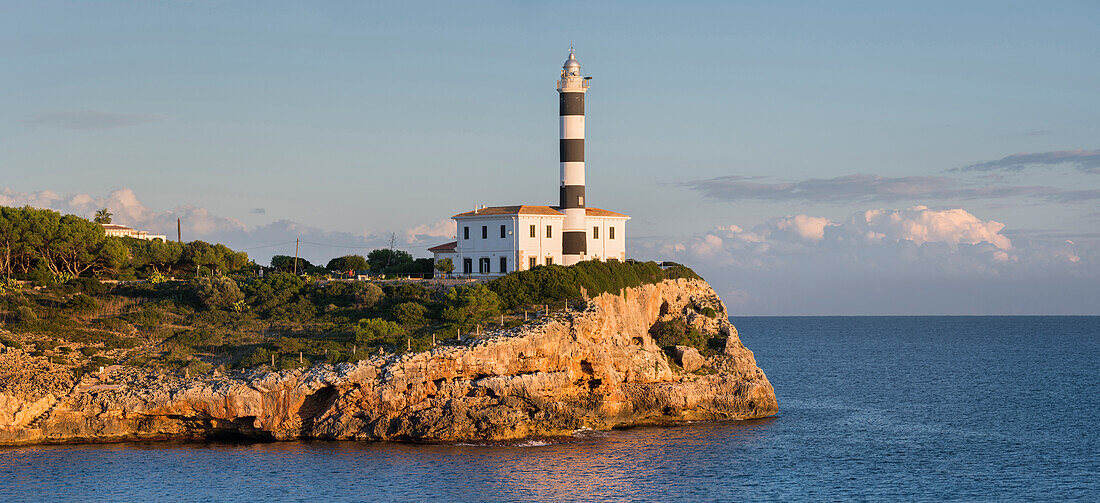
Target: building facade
[{"x": 121, "y": 231}]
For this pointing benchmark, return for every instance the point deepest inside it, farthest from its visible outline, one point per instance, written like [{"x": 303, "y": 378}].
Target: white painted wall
[
  {"x": 518, "y": 247},
  {"x": 604, "y": 247},
  {"x": 515, "y": 246}
]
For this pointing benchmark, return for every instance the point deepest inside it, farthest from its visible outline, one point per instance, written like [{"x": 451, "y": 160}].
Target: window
[
  {"x": 484, "y": 232},
  {"x": 548, "y": 233},
  {"x": 502, "y": 232},
  {"x": 503, "y": 265},
  {"x": 483, "y": 265},
  {"x": 465, "y": 233},
  {"x": 610, "y": 233},
  {"x": 580, "y": 200},
  {"x": 532, "y": 230},
  {"x": 533, "y": 261},
  {"x": 549, "y": 260},
  {"x": 467, "y": 266},
  {"x": 596, "y": 232}
]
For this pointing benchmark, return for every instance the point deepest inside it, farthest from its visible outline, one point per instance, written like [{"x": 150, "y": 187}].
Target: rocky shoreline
[{"x": 597, "y": 368}]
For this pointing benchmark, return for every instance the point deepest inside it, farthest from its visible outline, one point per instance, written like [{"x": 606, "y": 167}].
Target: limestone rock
[
  {"x": 597, "y": 368},
  {"x": 687, "y": 358}
]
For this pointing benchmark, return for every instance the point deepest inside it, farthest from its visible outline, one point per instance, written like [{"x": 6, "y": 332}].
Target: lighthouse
[
  {"x": 491, "y": 241},
  {"x": 571, "y": 89}
]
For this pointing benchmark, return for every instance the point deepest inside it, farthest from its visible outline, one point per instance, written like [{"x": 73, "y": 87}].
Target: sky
[{"x": 806, "y": 158}]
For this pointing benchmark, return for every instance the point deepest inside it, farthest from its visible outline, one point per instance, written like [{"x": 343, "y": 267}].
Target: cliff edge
[{"x": 596, "y": 368}]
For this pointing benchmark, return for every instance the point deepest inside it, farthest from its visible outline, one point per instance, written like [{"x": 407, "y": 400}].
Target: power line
[
  {"x": 265, "y": 246},
  {"x": 336, "y": 246}
]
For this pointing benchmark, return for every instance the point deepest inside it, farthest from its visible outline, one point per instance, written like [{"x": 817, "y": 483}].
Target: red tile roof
[
  {"x": 597, "y": 212},
  {"x": 527, "y": 209},
  {"x": 444, "y": 247},
  {"x": 522, "y": 209}
]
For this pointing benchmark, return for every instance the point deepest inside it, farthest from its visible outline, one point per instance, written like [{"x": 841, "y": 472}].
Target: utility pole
[
  {"x": 393, "y": 241},
  {"x": 179, "y": 232},
  {"x": 296, "y": 240}
]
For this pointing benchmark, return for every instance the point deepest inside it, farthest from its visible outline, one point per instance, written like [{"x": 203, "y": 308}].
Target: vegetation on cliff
[{"x": 198, "y": 306}]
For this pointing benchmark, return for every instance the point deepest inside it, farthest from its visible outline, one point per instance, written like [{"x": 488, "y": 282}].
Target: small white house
[
  {"x": 115, "y": 230},
  {"x": 493, "y": 241}
]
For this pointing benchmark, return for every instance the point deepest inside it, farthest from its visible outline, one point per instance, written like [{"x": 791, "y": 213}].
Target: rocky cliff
[{"x": 597, "y": 368}]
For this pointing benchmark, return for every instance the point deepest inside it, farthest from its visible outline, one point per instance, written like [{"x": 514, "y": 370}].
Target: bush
[
  {"x": 219, "y": 292},
  {"x": 548, "y": 284},
  {"x": 82, "y": 304},
  {"x": 25, "y": 314},
  {"x": 677, "y": 333},
  {"x": 376, "y": 331},
  {"x": 11, "y": 343},
  {"x": 409, "y": 313},
  {"x": 709, "y": 312},
  {"x": 146, "y": 318},
  {"x": 197, "y": 338},
  {"x": 260, "y": 356},
  {"x": 368, "y": 296},
  {"x": 90, "y": 286}
]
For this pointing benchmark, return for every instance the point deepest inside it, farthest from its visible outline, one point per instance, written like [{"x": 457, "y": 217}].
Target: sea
[{"x": 870, "y": 409}]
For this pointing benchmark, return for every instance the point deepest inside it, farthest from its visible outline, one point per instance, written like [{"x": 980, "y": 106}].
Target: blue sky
[{"x": 748, "y": 140}]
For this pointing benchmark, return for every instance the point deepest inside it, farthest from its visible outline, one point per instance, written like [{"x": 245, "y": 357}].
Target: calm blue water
[{"x": 883, "y": 408}]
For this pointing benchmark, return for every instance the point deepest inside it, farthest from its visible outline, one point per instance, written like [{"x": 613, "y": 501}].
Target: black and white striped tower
[{"x": 571, "y": 89}]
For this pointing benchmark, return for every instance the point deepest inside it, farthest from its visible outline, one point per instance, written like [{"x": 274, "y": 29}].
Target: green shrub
[
  {"x": 82, "y": 303},
  {"x": 148, "y": 317},
  {"x": 197, "y": 338},
  {"x": 220, "y": 292},
  {"x": 470, "y": 305},
  {"x": 676, "y": 332},
  {"x": 709, "y": 312},
  {"x": 89, "y": 351},
  {"x": 368, "y": 296},
  {"x": 376, "y": 331},
  {"x": 412, "y": 291},
  {"x": 259, "y": 356},
  {"x": 9, "y": 342},
  {"x": 24, "y": 314},
  {"x": 90, "y": 286},
  {"x": 115, "y": 325},
  {"x": 409, "y": 313},
  {"x": 553, "y": 283}
]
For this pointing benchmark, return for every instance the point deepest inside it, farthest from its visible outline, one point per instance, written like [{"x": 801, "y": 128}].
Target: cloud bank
[
  {"x": 890, "y": 261},
  {"x": 261, "y": 242},
  {"x": 88, "y": 119},
  {"x": 1087, "y": 161},
  {"x": 862, "y": 188}
]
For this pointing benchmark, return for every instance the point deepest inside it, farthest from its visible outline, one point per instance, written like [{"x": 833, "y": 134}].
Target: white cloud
[
  {"x": 261, "y": 242},
  {"x": 442, "y": 229},
  {"x": 920, "y": 225},
  {"x": 915, "y": 260},
  {"x": 806, "y": 227},
  {"x": 910, "y": 239}
]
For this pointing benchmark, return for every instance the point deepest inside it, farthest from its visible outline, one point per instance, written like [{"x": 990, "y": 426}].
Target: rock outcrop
[{"x": 597, "y": 368}]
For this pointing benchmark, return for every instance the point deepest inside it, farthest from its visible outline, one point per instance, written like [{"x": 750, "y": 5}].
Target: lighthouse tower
[{"x": 571, "y": 89}]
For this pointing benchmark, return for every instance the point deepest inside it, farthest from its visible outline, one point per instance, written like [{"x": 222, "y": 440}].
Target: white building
[
  {"x": 495, "y": 240},
  {"x": 121, "y": 231}
]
